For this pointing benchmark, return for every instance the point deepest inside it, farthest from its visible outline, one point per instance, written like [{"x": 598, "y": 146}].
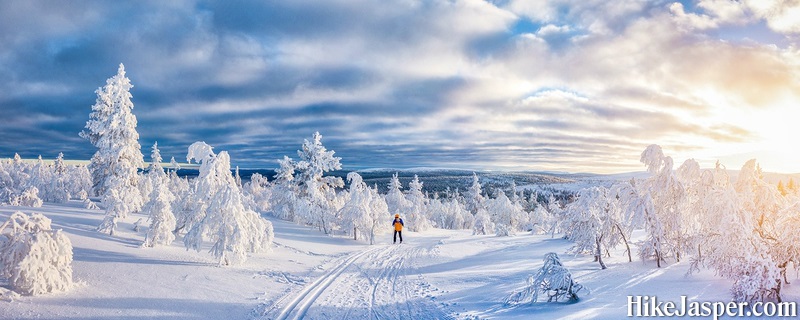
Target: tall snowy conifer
[{"x": 112, "y": 129}]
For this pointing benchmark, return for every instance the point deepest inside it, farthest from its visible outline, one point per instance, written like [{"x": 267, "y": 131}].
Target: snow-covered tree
[
  {"x": 506, "y": 217},
  {"x": 395, "y": 199},
  {"x": 474, "y": 197},
  {"x": 34, "y": 258},
  {"x": 482, "y": 225},
  {"x": 221, "y": 217},
  {"x": 112, "y": 130},
  {"x": 59, "y": 187},
  {"x": 553, "y": 280},
  {"x": 664, "y": 222},
  {"x": 258, "y": 192},
  {"x": 283, "y": 199},
  {"x": 416, "y": 217},
  {"x": 159, "y": 207},
  {"x": 317, "y": 202},
  {"x": 356, "y": 213},
  {"x": 596, "y": 222}
]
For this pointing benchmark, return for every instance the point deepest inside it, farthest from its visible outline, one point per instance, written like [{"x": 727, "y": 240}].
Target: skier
[{"x": 398, "y": 228}]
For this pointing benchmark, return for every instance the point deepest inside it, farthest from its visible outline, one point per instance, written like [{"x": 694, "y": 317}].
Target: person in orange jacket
[{"x": 398, "y": 228}]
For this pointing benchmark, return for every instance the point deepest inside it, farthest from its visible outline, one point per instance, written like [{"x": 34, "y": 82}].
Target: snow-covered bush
[
  {"x": 258, "y": 192},
  {"x": 34, "y": 258},
  {"x": 112, "y": 129},
  {"x": 552, "y": 280},
  {"x": 27, "y": 198},
  {"x": 220, "y": 215}
]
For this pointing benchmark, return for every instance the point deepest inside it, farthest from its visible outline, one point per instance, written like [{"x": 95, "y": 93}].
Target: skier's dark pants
[{"x": 395, "y": 235}]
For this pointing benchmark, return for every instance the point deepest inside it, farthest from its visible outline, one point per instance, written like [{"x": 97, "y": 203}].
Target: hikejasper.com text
[{"x": 650, "y": 306}]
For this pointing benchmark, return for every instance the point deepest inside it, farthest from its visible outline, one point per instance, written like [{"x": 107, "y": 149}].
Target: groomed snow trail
[{"x": 380, "y": 282}]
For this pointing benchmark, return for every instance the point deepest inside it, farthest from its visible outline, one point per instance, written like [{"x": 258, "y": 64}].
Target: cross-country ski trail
[{"x": 380, "y": 282}]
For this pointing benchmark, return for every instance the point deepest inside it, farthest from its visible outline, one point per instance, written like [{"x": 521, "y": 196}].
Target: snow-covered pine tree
[
  {"x": 474, "y": 197},
  {"x": 416, "y": 217},
  {"x": 317, "y": 203},
  {"x": 159, "y": 207},
  {"x": 395, "y": 199},
  {"x": 283, "y": 199},
  {"x": 59, "y": 188},
  {"x": 222, "y": 218},
  {"x": 112, "y": 130},
  {"x": 34, "y": 258}
]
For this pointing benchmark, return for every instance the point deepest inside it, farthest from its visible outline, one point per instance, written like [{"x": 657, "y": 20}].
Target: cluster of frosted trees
[
  {"x": 742, "y": 228},
  {"x": 28, "y": 184},
  {"x": 211, "y": 209},
  {"x": 301, "y": 193}
]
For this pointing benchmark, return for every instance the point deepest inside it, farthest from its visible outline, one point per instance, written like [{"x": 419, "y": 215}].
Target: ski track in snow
[{"x": 377, "y": 283}]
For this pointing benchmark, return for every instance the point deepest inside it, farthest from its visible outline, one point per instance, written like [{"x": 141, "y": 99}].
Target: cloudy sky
[{"x": 568, "y": 85}]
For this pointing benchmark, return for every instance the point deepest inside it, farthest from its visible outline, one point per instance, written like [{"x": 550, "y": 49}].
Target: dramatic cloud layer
[{"x": 573, "y": 85}]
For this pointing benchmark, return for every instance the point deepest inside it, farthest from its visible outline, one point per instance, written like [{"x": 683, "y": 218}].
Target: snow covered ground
[{"x": 438, "y": 274}]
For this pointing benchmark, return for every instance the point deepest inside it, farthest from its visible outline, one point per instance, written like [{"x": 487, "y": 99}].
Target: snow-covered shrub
[
  {"x": 34, "y": 258},
  {"x": 552, "y": 280},
  {"x": 27, "y": 198}
]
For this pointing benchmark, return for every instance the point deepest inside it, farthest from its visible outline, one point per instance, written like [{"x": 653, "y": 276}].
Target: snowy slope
[{"x": 433, "y": 275}]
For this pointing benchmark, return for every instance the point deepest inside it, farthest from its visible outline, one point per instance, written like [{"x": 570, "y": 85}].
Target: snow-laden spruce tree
[
  {"x": 474, "y": 196},
  {"x": 417, "y": 216},
  {"x": 506, "y": 217},
  {"x": 159, "y": 207},
  {"x": 58, "y": 188},
  {"x": 317, "y": 203},
  {"x": 34, "y": 258},
  {"x": 221, "y": 217},
  {"x": 112, "y": 130},
  {"x": 395, "y": 199},
  {"x": 552, "y": 280}
]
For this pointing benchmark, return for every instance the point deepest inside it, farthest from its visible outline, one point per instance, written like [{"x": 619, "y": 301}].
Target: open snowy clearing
[{"x": 438, "y": 274}]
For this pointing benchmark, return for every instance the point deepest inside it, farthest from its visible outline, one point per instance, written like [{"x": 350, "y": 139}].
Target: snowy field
[{"x": 438, "y": 274}]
